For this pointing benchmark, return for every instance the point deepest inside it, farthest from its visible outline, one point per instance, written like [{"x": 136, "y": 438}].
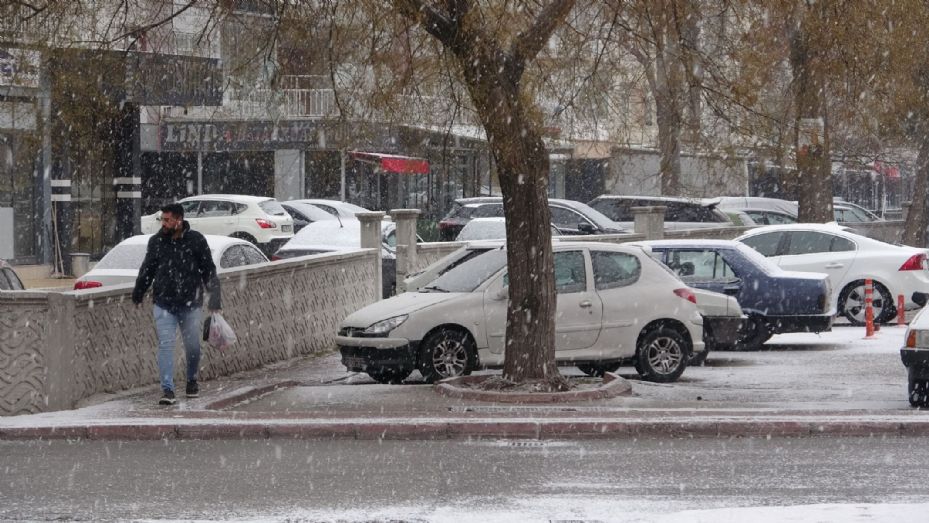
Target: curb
[
  {"x": 467, "y": 429},
  {"x": 613, "y": 386}
]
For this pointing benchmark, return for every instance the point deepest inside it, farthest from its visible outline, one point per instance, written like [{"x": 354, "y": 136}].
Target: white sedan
[
  {"x": 615, "y": 303},
  {"x": 121, "y": 264},
  {"x": 848, "y": 259}
]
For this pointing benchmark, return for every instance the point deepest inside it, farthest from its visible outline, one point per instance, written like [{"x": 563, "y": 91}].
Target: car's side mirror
[
  {"x": 920, "y": 298},
  {"x": 586, "y": 228},
  {"x": 502, "y": 294}
]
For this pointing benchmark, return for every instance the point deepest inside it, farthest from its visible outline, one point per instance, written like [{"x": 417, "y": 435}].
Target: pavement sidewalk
[{"x": 316, "y": 398}]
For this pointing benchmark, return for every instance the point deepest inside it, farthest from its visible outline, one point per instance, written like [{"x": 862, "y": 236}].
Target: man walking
[{"x": 179, "y": 263}]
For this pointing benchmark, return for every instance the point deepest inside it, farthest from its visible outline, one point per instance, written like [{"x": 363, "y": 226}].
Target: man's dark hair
[{"x": 174, "y": 208}]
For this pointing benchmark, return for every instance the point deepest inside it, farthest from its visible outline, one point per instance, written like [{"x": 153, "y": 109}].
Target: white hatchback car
[
  {"x": 121, "y": 264},
  {"x": 848, "y": 259},
  {"x": 257, "y": 219},
  {"x": 615, "y": 304}
]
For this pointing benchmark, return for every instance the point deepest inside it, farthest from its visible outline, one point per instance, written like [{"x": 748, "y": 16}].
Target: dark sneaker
[
  {"x": 168, "y": 398},
  {"x": 193, "y": 390}
]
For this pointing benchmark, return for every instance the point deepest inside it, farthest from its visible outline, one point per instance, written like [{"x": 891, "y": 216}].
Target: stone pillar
[
  {"x": 650, "y": 221},
  {"x": 406, "y": 243},
  {"x": 371, "y": 239}
]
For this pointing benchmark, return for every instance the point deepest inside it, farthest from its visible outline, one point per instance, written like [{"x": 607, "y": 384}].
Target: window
[
  {"x": 190, "y": 208},
  {"x": 252, "y": 255},
  {"x": 570, "y": 272},
  {"x": 5, "y": 284},
  {"x": 215, "y": 209},
  {"x": 840, "y": 244},
  {"x": 493, "y": 210},
  {"x": 272, "y": 207},
  {"x": 776, "y": 218},
  {"x": 328, "y": 208},
  {"x": 766, "y": 244},
  {"x": 233, "y": 257},
  {"x": 614, "y": 269},
  {"x": 808, "y": 242},
  {"x": 700, "y": 265},
  {"x": 566, "y": 218}
]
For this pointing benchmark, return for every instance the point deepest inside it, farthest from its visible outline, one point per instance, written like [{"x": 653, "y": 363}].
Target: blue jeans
[{"x": 166, "y": 324}]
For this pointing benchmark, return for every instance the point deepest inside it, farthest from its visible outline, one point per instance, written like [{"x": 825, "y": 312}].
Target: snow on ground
[{"x": 548, "y": 510}]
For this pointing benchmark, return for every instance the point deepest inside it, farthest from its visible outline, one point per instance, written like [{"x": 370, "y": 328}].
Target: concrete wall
[
  {"x": 635, "y": 172},
  {"x": 58, "y": 348}
]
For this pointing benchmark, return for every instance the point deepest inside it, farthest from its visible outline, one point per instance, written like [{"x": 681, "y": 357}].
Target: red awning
[{"x": 392, "y": 163}]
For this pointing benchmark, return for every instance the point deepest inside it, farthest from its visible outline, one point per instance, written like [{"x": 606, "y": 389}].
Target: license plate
[
  {"x": 354, "y": 362},
  {"x": 287, "y": 228}
]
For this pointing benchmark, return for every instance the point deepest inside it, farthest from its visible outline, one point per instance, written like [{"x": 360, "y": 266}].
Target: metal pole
[
  {"x": 45, "y": 175},
  {"x": 342, "y": 167},
  {"x": 199, "y": 172}
]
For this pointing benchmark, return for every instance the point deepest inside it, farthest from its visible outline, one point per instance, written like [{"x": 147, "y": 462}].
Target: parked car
[
  {"x": 915, "y": 354},
  {"x": 256, "y": 219},
  {"x": 848, "y": 259},
  {"x": 334, "y": 207},
  {"x": 775, "y": 301},
  {"x": 122, "y": 263},
  {"x": 305, "y": 213},
  {"x": 721, "y": 311},
  {"x": 340, "y": 235},
  {"x": 681, "y": 213},
  {"x": 570, "y": 217},
  {"x": 754, "y": 210},
  {"x": 615, "y": 304},
  {"x": 488, "y": 229},
  {"x": 9, "y": 281}
]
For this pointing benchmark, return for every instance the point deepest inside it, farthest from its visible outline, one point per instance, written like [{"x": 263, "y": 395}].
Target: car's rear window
[
  {"x": 273, "y": 207},
  {"x": 123, "y": 257}
]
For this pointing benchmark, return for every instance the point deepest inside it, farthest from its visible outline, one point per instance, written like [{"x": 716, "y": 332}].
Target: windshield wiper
[{"x": 434, "y": 288}]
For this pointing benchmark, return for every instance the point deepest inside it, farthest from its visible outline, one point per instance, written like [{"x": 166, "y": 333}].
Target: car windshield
[
  {"x": 309, "y": 211},
  {"x": 469, "y": 275},
  {"x": 272, "y": 207},
  {"x": 599, "y": 219},
  {"x": 123, "y": 257}
]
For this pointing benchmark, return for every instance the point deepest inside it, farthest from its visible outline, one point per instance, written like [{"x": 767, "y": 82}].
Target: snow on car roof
[
  {"x": 333, "y": 233},
  {"x": 233, "y": 197}
]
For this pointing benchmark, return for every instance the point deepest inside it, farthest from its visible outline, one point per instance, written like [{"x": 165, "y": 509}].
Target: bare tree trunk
[
  {"x": 492, "y": 75},
  {"x": 668, "y": 91},
  {"x": 814, "y": 167},
  {"x": 917, "y": 219}
]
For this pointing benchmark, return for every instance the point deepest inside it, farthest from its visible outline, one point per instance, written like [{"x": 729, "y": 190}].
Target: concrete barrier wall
[
  {"x": 58, "y": 348},
  {"x": 429, "y": 253}
]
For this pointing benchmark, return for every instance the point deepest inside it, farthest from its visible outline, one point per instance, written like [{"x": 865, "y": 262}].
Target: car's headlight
[{"x": 385, "y": 326}]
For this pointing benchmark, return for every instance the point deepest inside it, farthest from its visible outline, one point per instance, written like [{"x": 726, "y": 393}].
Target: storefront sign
[{"x": 269, "y": 136}]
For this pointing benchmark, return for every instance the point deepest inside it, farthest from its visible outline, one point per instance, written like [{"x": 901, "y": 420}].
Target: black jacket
[{"x": 180, "y": 270}]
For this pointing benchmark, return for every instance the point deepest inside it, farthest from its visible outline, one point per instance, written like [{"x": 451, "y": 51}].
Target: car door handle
[
  {"x": 835, "y": 265},
  {"x": 585, "y": 304}
]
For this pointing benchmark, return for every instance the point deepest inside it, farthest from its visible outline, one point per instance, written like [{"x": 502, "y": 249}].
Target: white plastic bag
[{"x": 221, "y": 334}]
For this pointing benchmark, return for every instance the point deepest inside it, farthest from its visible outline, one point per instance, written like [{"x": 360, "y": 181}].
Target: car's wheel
[
  {"x": 919, "y": 392},
  {"x": 245, "y": 236},
  {"x": 661, "y": 355},
  {"x": 598, "y": 369},
  {"x": 389, "y": 376},
  {"x": 852, "y": 305},
  {"x": 446, "y": 353},
  {"x": 753, "y": 333}
]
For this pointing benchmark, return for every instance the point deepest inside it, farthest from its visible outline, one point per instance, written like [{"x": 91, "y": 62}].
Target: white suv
[{"x": 257, "y": 219}]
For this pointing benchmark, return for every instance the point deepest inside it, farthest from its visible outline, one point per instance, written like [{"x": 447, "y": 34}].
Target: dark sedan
[
  {"x": 775, "y": 301},
  {"x": 569, "y": 216}
]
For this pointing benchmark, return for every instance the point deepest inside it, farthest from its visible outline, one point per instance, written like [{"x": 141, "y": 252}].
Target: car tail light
[
  {"x": 917, "y": 262},
  {"x": 81, "y": 285},
  {"x": 687, "y": 294},
  {"x": 265, "y": 224},
  {"x": 911, "y": 339},
  {"x": 275, "y": 257},
  {"x": 445, "y": 225}
]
